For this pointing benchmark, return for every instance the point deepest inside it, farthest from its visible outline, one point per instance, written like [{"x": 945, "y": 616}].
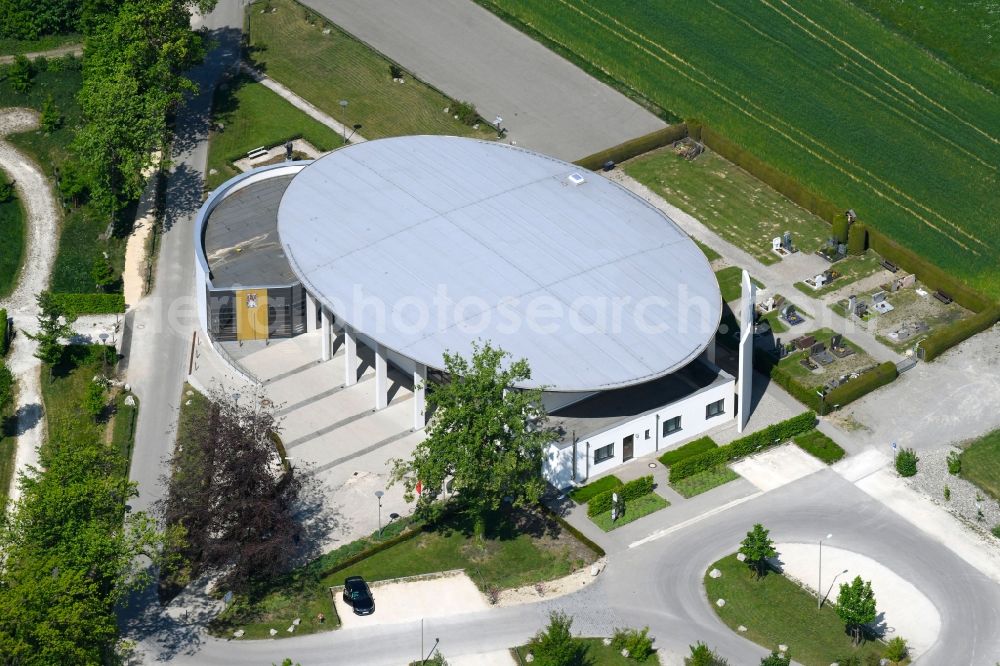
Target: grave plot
[
  {"x": 843, "y": 273},
  {"x": 823, "y": 359}
]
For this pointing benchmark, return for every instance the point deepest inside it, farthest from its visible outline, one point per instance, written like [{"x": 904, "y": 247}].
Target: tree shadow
[
  {"x": 24, "y": 419},
  {"x": 185, "y": 188}
]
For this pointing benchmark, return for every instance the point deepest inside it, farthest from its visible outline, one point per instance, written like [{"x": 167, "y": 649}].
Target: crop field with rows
[{"x": 823, "y": 92}]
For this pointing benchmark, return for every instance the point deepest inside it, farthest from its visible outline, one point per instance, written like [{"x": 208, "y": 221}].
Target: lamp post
[
  {"x": 819, "y": 582},
  {"x": 343, "y": 108},
  {"x": 378, "y": 494}
]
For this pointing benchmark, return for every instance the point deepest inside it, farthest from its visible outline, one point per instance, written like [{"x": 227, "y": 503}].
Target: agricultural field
[
  {"x": 729, "y": 201},
  {"x": 325, "y": 65},
  {"x": 821, "y": 91}
]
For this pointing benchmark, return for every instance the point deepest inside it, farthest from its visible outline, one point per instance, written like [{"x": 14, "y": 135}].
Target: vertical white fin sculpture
[{"x": 744, "y": 380}]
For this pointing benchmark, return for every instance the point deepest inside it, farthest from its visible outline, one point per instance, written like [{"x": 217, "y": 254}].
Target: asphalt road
[
  {"x": 547, "y": 103},
  {"x": 660, "y": 584}
]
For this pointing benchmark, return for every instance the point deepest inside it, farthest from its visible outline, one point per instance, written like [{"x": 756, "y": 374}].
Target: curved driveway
[{"x": 659, "y": 584}]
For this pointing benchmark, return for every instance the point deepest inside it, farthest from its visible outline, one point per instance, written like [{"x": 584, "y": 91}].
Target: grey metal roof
[
  {"x": 241, "y": 237},
  {"x": 426, "y": 244}
]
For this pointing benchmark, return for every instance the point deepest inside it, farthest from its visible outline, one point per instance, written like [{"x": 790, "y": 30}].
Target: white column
[
  {"x": 381, "y": 378},
  {"x": 419, "y": 393},
  {"x": 326, "y": 335},
  {"x": 350, "y": 357},
  {"x": 310, "y": 313}
]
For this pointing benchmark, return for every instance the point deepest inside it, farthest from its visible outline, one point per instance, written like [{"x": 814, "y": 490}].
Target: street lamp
[
  {"x": 343, "y": 124},
  {"x": 819, "y": 582},
  {"x": 378, "y": 494}
]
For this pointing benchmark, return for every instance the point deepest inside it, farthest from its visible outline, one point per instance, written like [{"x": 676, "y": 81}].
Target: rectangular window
[
  {"x": 671, "y": 426},
  {"x": 603, "y": 453},
  {"x": 715, "y": 408},
  {"x": 647, "y": 434}
]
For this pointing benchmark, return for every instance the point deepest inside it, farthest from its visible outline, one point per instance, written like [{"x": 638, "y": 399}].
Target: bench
[
  {"x": 257, "y": 152},
  {"x": 889, "y": 266},
  {"x": 943, "y": 297}
]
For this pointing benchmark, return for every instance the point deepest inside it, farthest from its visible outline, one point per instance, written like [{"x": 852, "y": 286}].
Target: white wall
[{"x": 557, "y": 467}]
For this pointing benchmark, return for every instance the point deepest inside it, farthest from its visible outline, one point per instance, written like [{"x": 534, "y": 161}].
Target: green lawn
[
  {"x": 12, "y": 241},
  {"x": 597, "y": 654},
  {"x": 963, "y": 33},
  {"x": 583, "y": 494},
  {"x": 819, "y": 445},
  {"x": 692, "y": 448},
  {"x": 775, "y": 610},
  {"x": 8, "y": 449},
  {"x": 850, "y": 269},
  {"x": 10, "y": 46},
  {"x": 731, "y": 283},
  {"x": 63, "y": 388},
  {"x": 792, "y": 363},
  {"x": 253, "y": 116},
  {"x": 729, "y": 201},
  {"x": 702, "y": 482},
  {"x": 709, "y": 253},
  {"x": 902, "y": 138},
  {"x": 289, "y": 45},
  {"x": 634, "y": 510},
  {"x": 536, "y": 550},
  {"x": 981, "y": 463}
]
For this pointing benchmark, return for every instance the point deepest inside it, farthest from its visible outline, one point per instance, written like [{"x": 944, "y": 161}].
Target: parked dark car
[{"x": 358, "y": 595}]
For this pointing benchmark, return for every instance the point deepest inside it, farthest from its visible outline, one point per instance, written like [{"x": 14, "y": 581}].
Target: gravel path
[
  {"x": 75, "y": 49},
  {"x": 43, "y": 233},
  {"x": 966, "y": 499}
]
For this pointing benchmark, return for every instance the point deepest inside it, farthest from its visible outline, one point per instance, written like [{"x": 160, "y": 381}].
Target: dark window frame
[
  {"x": 603, "y": 453},
  {"x": 666, "y": 426},
  {"x": 719, "y": 404}
]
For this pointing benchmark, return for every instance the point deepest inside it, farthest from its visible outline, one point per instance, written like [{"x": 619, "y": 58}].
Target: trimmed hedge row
[
  {"x": 700, "y": 445},
  {"x": 945, "y": 338},
  {"x": 632, "y": 490},
  {"x": 585, "y": 493},
  {"x": 847, "y": 393},
  {"x": 768, "y": 365},
  {"x": 857, "y": 239},
  {"x": 745, "y": 446},
  {"x": 81, "y": 304},
  {"x": 581, "y": 537},
  {"x": 4, "y": 333},
  {"x": 819, "y": 445},
  {"x": 635, "y": 147}
]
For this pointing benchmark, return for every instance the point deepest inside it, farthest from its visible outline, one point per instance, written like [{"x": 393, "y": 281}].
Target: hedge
[
  {"x": 632, "y": 490},
  {"x": 581, "y": 537},
  {"x": 945, "y": 338},
  {"x": 635, "y": 147},
  {"x": 819, "y": 445},
  {"x": 585, "y": 493},
  {"x": 81, "y": 304},
  {"x": 4, "y": 333},
  {"x": 840, "y": 227},
  {"x": 745, "y": 446},
  {"x": 847, "y": 393},
  {"x": 857, "y": 239},
  {"x": 768, "y": 365},
  {"x": 700, "y": 445}
]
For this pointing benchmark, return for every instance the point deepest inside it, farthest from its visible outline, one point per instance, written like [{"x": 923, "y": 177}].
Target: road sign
[{"x": 894, "y": 446}]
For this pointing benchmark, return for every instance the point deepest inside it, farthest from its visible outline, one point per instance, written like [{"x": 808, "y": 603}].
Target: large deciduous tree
[
  {"x": 485, "y": 435},
  {"x": 231, "y": 494},
  {"x": 856, "y": 606},
  {"x": 757, "y": 547}
]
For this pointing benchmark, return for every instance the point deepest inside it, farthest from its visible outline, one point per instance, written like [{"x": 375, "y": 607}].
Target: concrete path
[
  {"x": 547, "y": 103},
  {"x": 42, "y": 227},
  {"x": 302, "y": 105},
  {"x": 399, "y": 601},
  {"x": 75, "y": 49}
]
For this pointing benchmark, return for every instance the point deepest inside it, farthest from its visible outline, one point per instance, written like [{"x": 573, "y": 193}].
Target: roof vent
[{"x": 575, "y": 178}]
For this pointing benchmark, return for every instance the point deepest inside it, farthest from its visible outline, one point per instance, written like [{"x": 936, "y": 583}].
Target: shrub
[
  {"x": 636, "y": 641},
  {"x": 819, "y": 445},
  {"x": 740, "y": 448},
  {"x": 51, "y": 118},
  {"x": 395, "y": 71},
  {"x": 635, "y": 147},
  {"x": 585, "y": 493},
  {"x": 840, "y": 228},
  {"x": 20, "y": 74},
  {"x": 628, "y": 491},
  {"x": 996, "y": 530},
  {"x": 466, "y": 112},
  {"x": 906, "y": 462},
  {"x": 6, "y": 386},
  {"x": 857, "y": 239},
  {"x": 954, "y": 463},
  {"x": 555, "y": 646},
  {"x": 850, "y": 391},
  {"x": 776, "y": 659},
  {"x": 947, "y": 493},
  {"x": 945, "y": 338},
  {"x": 93, "y": 400},
  {"x": 895, "y": 649},
  {"x": 5, "y": 333},
  {"x": 702, "y": 656},
  {"x": 699, "y": 445},
  {"x": 78, "y": 304}
]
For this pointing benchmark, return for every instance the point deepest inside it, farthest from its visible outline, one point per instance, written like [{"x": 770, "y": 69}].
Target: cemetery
[
  {"x": 821, "y": 359},
  {"x": 775, "y": 314}
]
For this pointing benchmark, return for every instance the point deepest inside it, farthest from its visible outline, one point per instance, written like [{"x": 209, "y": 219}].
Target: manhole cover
[{"x": 651, "y": 465}]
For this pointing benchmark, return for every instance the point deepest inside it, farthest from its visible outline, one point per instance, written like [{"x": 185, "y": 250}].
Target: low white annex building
[{"x": 416, "y": 246}]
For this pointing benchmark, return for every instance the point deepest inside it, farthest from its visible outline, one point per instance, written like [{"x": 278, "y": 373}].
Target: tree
[
  {"x": 436, "y": 659},
  {"x": 54, "y": 324},
  {"x": 6, "y": 188},
  {"x": 6, "y": 386},
  {"x": 776, "y": 659},
  {"x": 757, "y": 547},
  {"x": 103, "y": 273},
  {"x": 94, "y": 400},
  {"x": 701, "y": 655},
  {"x": 555, "y": 646},
  {"x": 637, "y": 641},
  {"x": 51, "y": 118},
  {"x": 906, "y": 462},
  {"x": 20, "y": 74},
  {"x": 896, "y": 649},
  {"x": 856, "y": 606},
  {"x": 233, "y": 497},
  {"x": 485, "y": 435}
]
